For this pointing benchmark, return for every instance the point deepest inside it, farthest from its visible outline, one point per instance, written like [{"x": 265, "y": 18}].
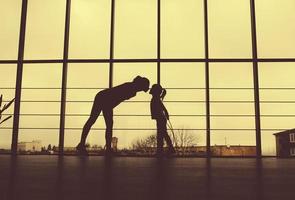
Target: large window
[{"x": 227, "y": 66}]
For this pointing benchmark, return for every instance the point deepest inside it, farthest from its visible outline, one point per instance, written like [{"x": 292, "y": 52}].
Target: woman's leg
[
  {"x": 108, "y": 117},
  {"x": 95, "y": 111}
]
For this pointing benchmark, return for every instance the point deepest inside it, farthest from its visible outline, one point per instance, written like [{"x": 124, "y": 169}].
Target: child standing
[{"x": 161, "y": 115}]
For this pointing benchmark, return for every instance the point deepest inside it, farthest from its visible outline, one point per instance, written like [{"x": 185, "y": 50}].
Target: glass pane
[
  {"x": 136, "y": 29},
  {"x": 40, "y": 106},
  {"x": 127, "y": 138},
  {"x": 172, "y": 75},
  {"x": 277, "y": 101},
  {"x": 275, "y": 28},
  {"x": 90, "y": 29},
  {"x": 185, "y": 101},
  {"x": 232, "y": 105},
  {"x": 185, "y": 96},
  {"x": 7, "y": 89},
  {"x": 38, "y": 141},
  {"x": 231, "y": 95},
  {"x": 229, "y": 29},
  {"x": 233, "y": 143},
  {"x": 95, "y": 139},
  {"x": 84, "y": 82},
  {"x": 45, "y": 29},
  {"x": 10, "y": 12},
  {"x": 182, "y": 29}
]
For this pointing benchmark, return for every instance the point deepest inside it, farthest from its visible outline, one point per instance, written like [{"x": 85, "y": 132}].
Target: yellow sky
[{"x": 182, "y": 36}]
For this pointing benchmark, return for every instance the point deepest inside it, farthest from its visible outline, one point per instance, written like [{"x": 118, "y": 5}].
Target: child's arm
[{"x": 165, "y": 111}]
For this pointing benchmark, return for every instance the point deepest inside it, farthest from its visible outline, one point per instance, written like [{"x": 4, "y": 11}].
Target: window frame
[{"x": 207, "y": 60}]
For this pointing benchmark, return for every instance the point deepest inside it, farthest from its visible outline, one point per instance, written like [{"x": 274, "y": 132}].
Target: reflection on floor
[{"x": 72, "y": 177}]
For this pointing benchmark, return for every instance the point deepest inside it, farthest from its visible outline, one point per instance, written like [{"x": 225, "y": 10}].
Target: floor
[{"x": 127, "y": 178}]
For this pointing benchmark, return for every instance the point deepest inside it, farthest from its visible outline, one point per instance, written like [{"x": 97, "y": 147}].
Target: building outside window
[{"x": 292, "y": 137}]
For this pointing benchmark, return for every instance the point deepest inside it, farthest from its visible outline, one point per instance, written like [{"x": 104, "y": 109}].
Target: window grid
[{"x": 207, "y": 60}]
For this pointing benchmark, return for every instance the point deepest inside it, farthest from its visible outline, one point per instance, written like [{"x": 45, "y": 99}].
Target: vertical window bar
[
  {"x": 208, "y": 127},
  {"x": 255, "y": 79},
  {"x": 159, "y": 42},
  {"x": 64, "y": 78},
  {"x": 19, "y": 75},
  {"x": 112, "y": 43}
]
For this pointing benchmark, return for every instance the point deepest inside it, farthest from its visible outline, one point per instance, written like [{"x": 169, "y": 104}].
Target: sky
[{"x": 182, "y": 36}]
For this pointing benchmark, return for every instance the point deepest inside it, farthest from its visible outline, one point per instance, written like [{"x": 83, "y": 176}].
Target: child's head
[{"x": 156, "y": 90}]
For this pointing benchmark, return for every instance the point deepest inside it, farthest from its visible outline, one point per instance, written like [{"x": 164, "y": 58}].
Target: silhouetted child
[
  {"x": 161, "y": 115},
  {"x": 105, "y": 101}
]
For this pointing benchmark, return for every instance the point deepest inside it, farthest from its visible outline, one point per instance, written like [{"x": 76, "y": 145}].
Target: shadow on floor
[{"x": 53, "y": 177}]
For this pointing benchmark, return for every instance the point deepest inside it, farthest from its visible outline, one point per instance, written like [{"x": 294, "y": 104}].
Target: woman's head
[{"x": 141, "y": 83}]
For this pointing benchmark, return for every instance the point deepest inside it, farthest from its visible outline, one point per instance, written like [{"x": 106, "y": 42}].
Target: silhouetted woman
[
  {"x": 161, "y": 115},
  {"x": 105, "y": 101}
]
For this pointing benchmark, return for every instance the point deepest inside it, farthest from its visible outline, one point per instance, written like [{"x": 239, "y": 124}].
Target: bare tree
[
  {"x": 183, "y": 139},
  {"x": 145, "y": 144},
  {"x": 2, "y": 109}
]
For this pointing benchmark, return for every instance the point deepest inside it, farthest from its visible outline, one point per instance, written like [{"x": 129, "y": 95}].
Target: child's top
[{"x": 158, "y": 110}]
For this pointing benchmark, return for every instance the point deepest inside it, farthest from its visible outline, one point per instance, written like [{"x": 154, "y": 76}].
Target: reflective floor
[{"x": 72, "y": 177}]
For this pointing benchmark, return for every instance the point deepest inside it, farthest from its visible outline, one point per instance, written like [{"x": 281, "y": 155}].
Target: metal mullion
[
  {"x": 64, "y": 77},
  {"x": 8, "y": 61},
  {"x": 19, "y": 75},
  {"x": 159, "y": 42},
  {"x": 206, "y": 38},
  {"x": 112, "y": 31},
  {"x": 255, "y": 79}
]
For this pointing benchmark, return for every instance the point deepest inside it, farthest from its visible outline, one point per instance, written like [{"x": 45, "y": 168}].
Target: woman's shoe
[{"x": 81, "y": 149}]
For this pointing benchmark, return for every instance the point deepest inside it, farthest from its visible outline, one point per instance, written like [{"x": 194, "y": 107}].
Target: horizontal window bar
[
  {"x": 151, "y": 60},
  {"x": 90, "y": 101},
  {"x": 144, "y": 129},
  {"x": 92, "y": 88},
  {"x": 137, "y": 115}
]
